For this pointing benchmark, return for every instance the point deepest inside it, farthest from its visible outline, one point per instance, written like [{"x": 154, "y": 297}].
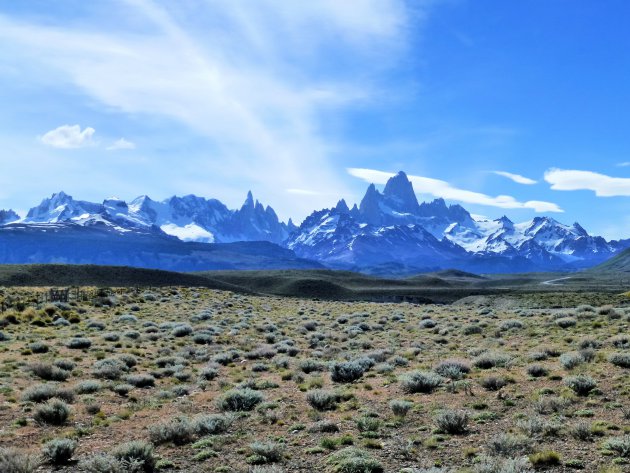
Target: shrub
[
  {"x": 323, "y": 399},
  {"x": 620, "y": 359},
  {"x": 122, "y": 389},
  {"x": 14, "y": 461},
  {"x": 111, "y": 337},
  {"x": 38, "y": 347},
  {"x": 452, "y": 421},
  {"x": 571, "y": 360},
  {"x": 352, "y": 460},
  {"x": 511, "y": 324},
  {"x": 427, "y": 323},
  {"x": 582, "y": 385},
  {"x": 368, "y": 424},
  {"x": 491, "y": 360},
  {"x": 208, "y": 373},
  {"x": 619, "y": 445},
  {"x": 507, "y": 445},
  {"x": 59, "y": 451},
  {"x": 79, "y": 343},
  {"x": 265, "y": 452},
  {"x": 182, "y": 330},
  {"x": 89, "y": 386},
  {"x": 544, "y": 459},
  {"x": 487, "y": 464},
  {"x": 346, "y": 372},
  {"x": 44, "y": 392},
  {"x": 178, "y": 431},
  {"x": 493, "y": 383},
  {"x": 582, "y": 431},
  {"x": 400, "y": 407},
  {"x": 137, "y": 452},
  {"x": 453, "y": 369},
  {"x": 67, "y": 365},
  {"x": 566, "y": 322},
  {"x": 140, "y": 380},
  {"x": 620, "y": 341},
  {"x": 420, "y": 382},
  {"x": 212, "y": 424},
  {"x": 55, "y": 412},
  {"x": 49, "y": 372},
  {"x": 312, "y": 366},
  {"x": 537, "y": 371},
  {"x": 240, "y": 400},
  {"x": 109, "y": 368}
]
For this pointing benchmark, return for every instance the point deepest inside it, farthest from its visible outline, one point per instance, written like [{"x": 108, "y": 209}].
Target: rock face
[{"x": 389, "y": 232}]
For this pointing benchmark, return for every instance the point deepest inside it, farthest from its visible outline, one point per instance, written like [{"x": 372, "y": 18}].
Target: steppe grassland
[{"x": 200, "y": 380}]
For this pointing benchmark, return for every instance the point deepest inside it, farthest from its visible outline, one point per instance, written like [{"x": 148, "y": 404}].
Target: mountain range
[{"x": 388, "y": 233}]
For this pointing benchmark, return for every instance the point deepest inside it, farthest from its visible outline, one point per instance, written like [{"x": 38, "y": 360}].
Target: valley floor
[{"x": 216, "y": 381}]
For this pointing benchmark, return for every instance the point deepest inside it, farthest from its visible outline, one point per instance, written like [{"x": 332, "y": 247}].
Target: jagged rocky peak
[
  {"x": 370, "y": 205},
  {"x": 400, "y": 194},
  {"x": 249, "y": 201},
  {"x": 8, "y": 216},
  {"x": 342, "y": 207},
  {"x": 580, "y": 229},
  {"x": 505, "y": 222}
]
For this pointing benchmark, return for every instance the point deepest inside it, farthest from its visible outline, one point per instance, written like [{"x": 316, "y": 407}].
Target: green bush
[
  {"x": 420, "y": 382},
  {"x": 59, "y": 451},
  {"x": 352, "y": 460},
  {"x": 54, "y": 412},
  {"x": 323, "y": 399},
  {"x": 582, "y": 385},
  {"x": 240, "y": 400},
  {"x": 14, "y": 461},
  {"x": 452, "y": 421}
]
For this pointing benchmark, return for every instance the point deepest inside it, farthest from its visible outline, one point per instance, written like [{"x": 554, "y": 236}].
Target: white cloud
[
  {"x": 121, "y": 144},
  {"x": 601, "y": 184},
  {"x": 68, "y": 136},
  {"x": 255, "y": 78},
  {"x": 439, "y": 188},
  {"x": 515, "y": 177},
  {"x": 624, "y": 164}
]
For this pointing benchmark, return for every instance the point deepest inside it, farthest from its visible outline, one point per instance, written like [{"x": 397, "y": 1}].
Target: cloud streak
[
  {"x": 439, "y": 188},
  {"x": 68, "y": 137},
  {"x": 254, "y": 78},
  {"x": 574, "y": 180},
  {"x": 515, "y": 177}
]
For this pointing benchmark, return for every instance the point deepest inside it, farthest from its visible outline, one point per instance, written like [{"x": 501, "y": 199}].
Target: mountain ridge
[{"x": 389, "y": 231}]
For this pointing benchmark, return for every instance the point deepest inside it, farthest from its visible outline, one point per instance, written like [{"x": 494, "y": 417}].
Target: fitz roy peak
[
  {"x": 389, "y": 232},
  {"x": 391, "y": 229}
]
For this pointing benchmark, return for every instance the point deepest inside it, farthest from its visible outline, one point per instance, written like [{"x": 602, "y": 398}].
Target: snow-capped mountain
[
  {"x": 189, "y": 218},
  {"x": 8, "y": 216},
  {"x": 388, "y": 229},
  {"x": 393, "y": 227}
]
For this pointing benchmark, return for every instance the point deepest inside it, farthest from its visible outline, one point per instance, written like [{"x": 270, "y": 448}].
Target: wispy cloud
[
  {"x": 515, "y": 177},
  {"x": 624, "y": 164},
  {"x": 601, "y": 184},
  {"x": 121, "y": 143},
  {"x": 69, "y": 136},
  {"x": 255, "y": 78},
  {"x": 439, "y": 188}
]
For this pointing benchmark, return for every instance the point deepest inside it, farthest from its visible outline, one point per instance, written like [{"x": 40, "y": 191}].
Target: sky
[{"x": 508, "y": 108}]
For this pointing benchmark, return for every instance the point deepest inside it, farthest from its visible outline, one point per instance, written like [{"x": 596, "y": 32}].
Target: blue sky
[{"x": 307, "y": 102}]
